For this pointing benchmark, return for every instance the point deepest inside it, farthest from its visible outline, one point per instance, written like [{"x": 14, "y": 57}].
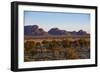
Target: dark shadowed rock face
[
  {"x": 73, "y": 33},
  {"x": 28, "y": 30},
  {"x": 34, "y": 30},
  {"x": 80, "y": 32},
  {"x": 56, "y": 31}
]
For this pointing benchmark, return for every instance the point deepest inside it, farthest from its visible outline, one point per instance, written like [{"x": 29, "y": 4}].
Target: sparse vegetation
[{"x": 51, "y": 49}]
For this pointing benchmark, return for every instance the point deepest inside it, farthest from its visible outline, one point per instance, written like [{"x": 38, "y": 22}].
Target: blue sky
[{"x": 64, "y": 21}]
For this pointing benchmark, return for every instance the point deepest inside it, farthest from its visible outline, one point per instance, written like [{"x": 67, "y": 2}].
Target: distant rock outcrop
[
  {"x": 34, "y": 30},
  {"x": 80, "y": 32},
  {"x": 57, "y": 31}
]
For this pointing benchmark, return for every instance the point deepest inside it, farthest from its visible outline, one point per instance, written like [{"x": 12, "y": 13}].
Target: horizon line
[{"x": 58, "y": 28}]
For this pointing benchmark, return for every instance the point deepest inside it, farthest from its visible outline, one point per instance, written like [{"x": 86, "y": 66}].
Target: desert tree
[
  {"x": 38, "y": 45},
  {"x": 29, "y": 45},
  {"x": 84, "y": 43},
  {"x": 66, "y": 43},
  {"x": 45, "y": 44}
]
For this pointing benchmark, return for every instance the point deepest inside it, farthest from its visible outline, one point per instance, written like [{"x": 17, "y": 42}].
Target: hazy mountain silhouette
[{"x": 34, "y": 30}]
